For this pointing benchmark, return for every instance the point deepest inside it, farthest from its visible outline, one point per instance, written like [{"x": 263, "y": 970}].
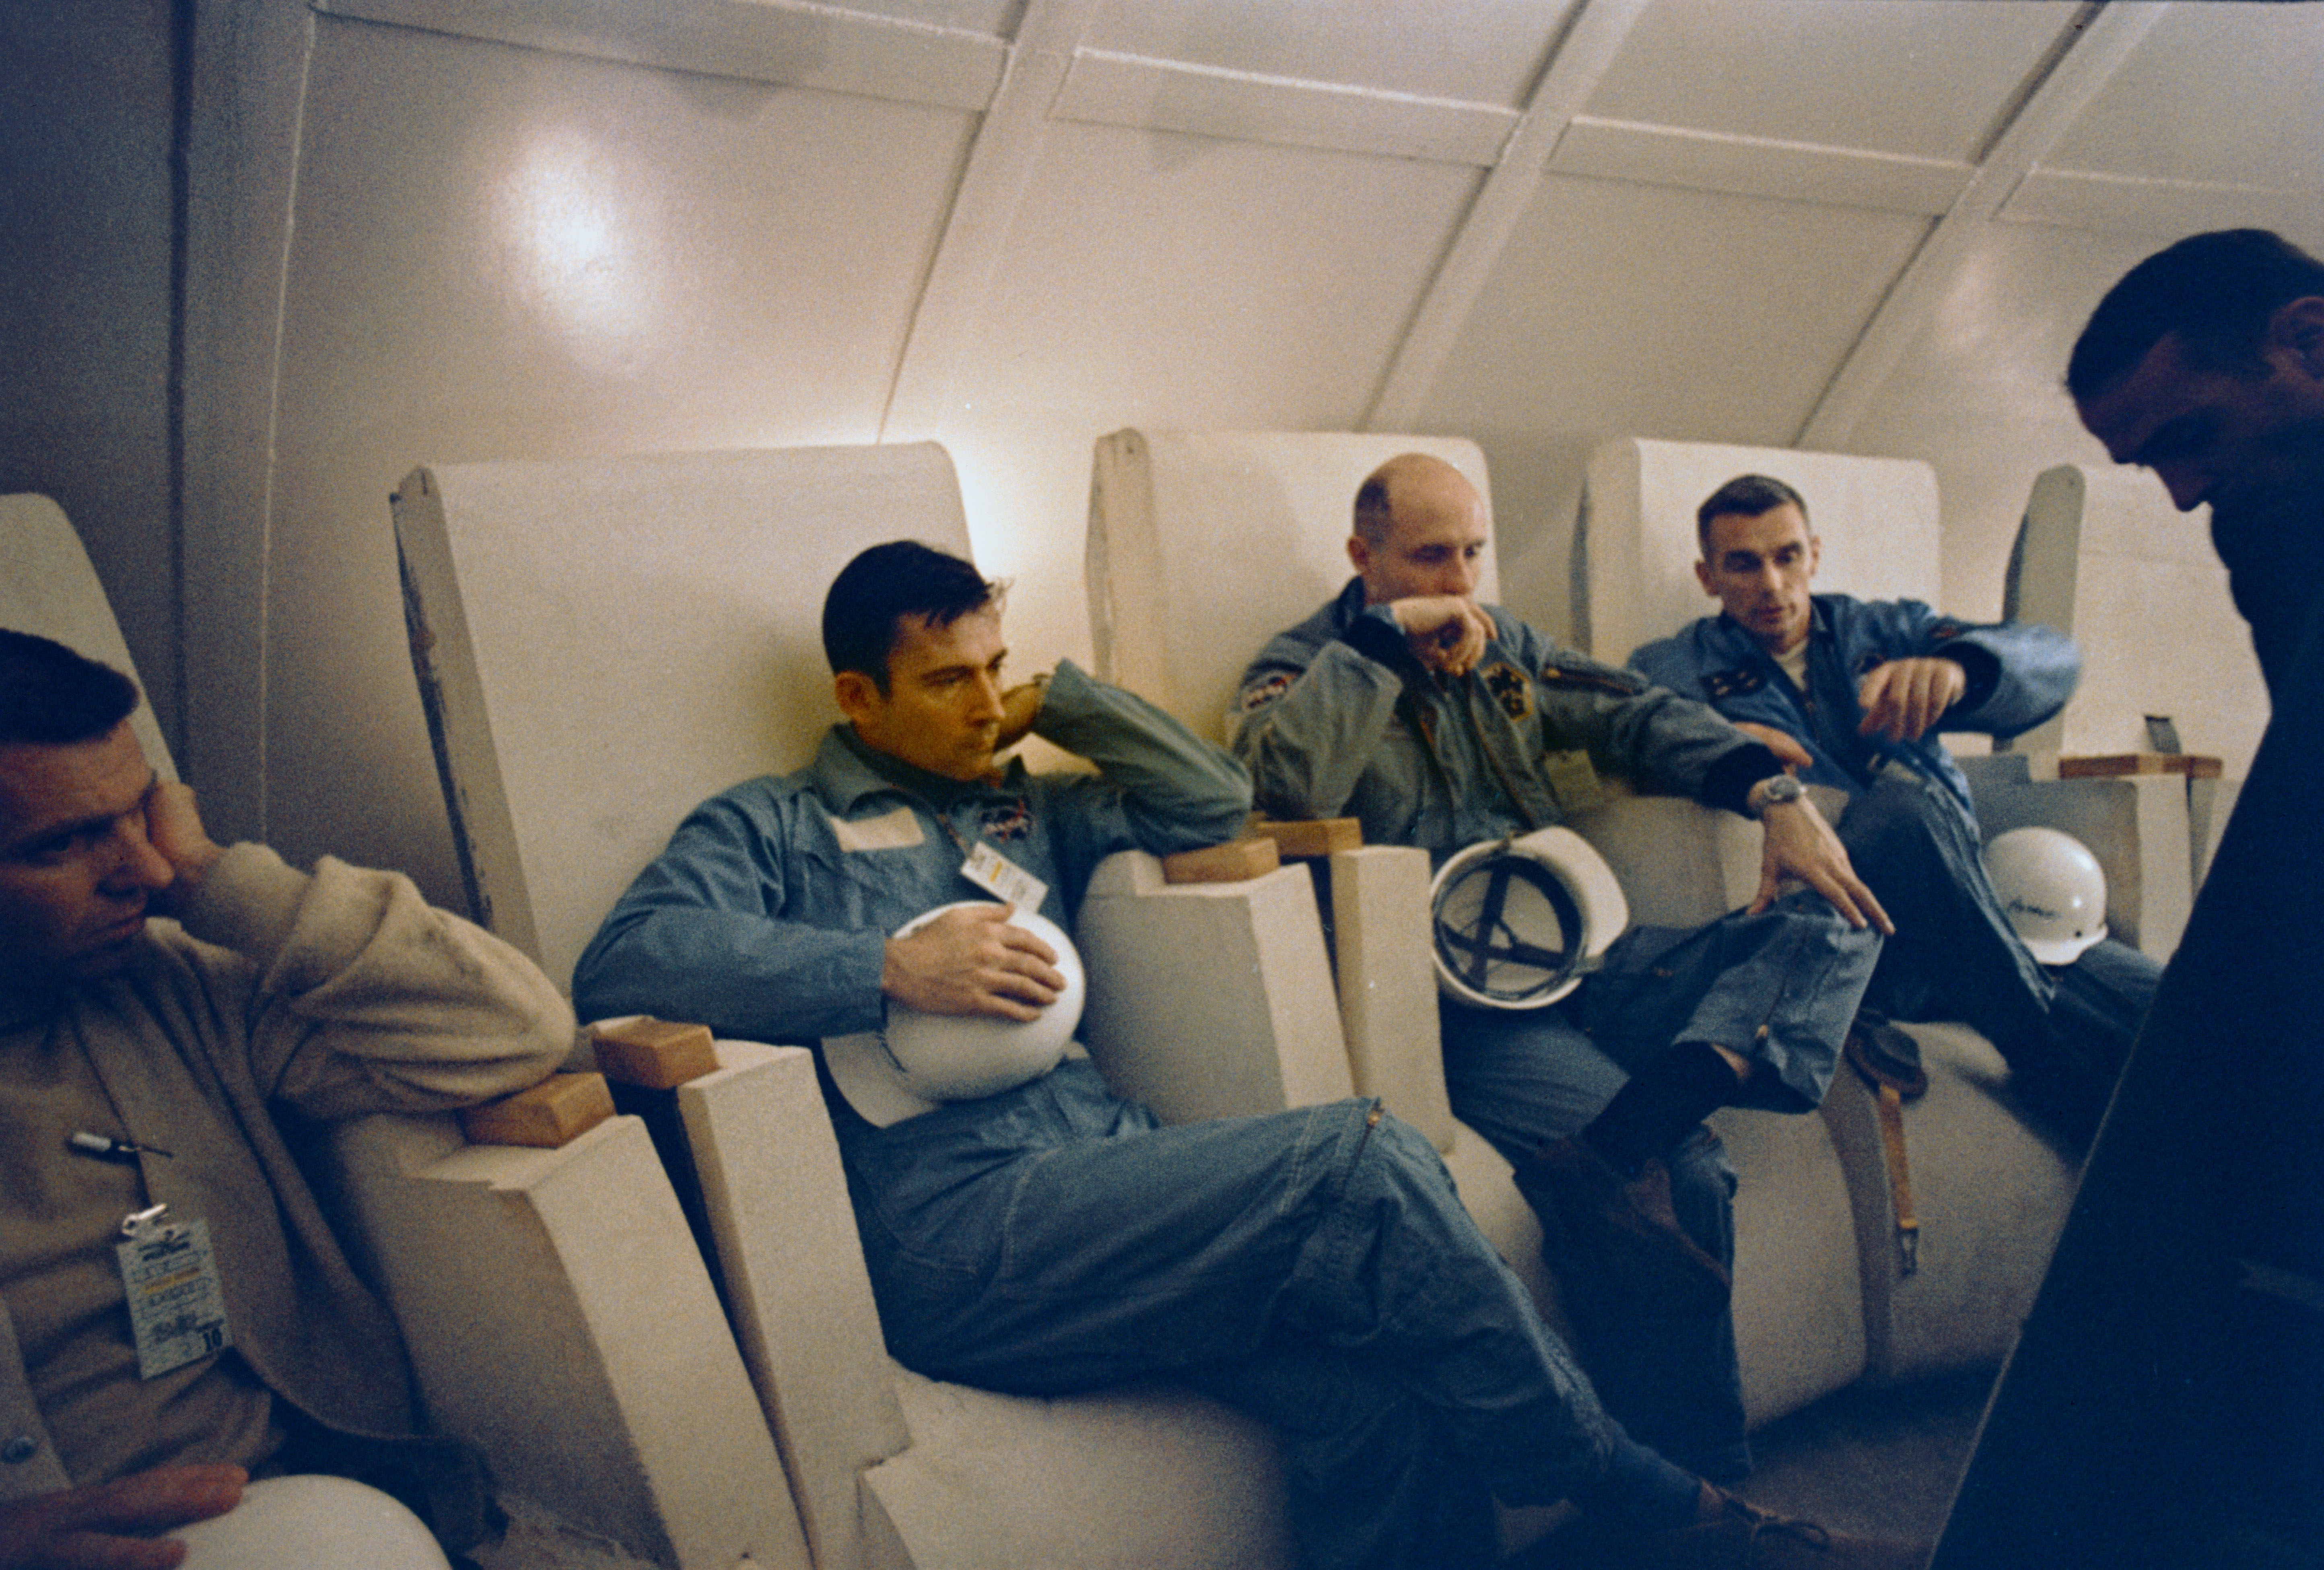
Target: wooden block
[
  {"x": 2111, "y": 766},
  {"x": 653, "y": 1054},
  {"x": 557, "y": 1111},
  {"x": 1235, "y": 862},
  {"x": 1309, "y": 839}
]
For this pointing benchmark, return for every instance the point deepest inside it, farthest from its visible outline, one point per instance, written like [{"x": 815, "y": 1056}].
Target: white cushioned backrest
[
  {"x": 613, "y": 639},
  {"x": 2105, "y": 558},
  {"x": 1202, "y": 545},
  {"x": 1876, "y": 519},
  {"x": 48, "y": 588}
]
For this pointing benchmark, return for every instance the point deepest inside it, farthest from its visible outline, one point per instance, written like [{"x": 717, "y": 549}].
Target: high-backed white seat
[
  {"x": 2103, "y": 556},
  {"x": 603, "y": 643},
  {"x": 1205, "y": 544},
  {"x": 1989, "y": 1193},
  {"x": 557, "y": 1314}
]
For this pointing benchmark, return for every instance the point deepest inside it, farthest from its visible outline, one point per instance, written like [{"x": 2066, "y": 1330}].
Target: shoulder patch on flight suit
[
  {"x": 896, "y": 830},
  {"x": 1944, "y": 630},
  {"x": 1734, "y": 683},
  {"x": 1006, "y": 821},
  {"x": 1265, "y": 691},
  {"x": 1509, "y": 688},
  {"x": 1618, "y": 683}
]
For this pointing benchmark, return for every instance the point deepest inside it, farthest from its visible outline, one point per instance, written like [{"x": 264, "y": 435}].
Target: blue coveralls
[
  {"x": 1911, "y": 831},
  {"x": 1335, "y": 717},
  {"x": 1313, "y": 1267}
]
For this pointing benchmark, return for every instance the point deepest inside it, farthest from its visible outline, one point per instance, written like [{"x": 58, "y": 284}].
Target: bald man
[{"x": 1440, "y": 723}]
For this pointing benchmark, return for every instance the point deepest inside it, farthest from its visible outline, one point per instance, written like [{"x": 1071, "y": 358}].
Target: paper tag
[
  {"x": 1003, "y": 878},
  {"x": 1573, "y": 779},
  {"x": 175, "y": 1305}
]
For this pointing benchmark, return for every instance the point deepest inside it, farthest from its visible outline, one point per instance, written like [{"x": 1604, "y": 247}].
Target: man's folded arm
[
  {"x": 367, "y": 998},
  {"x": 702, "y": 935},
  {"x": 1177, "y": 792},
  {"x": 1307, "y": 729}
]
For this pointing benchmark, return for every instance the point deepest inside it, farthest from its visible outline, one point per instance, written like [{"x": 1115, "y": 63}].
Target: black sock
[{"x": 1661, "y": 1105}]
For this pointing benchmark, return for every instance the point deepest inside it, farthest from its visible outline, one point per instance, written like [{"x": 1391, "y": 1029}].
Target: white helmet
[
  {"x": 919, "y": 1060},
  {"x": 1517, "y": 921},
  {"x": 2053, "y": 890}
]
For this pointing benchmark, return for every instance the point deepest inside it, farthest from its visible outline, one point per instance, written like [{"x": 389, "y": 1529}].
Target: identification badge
[
  {"x": 1003, "y": 878},
  {"x": 176, "y": 1308},
  {"x": 1574, "y": 779}
]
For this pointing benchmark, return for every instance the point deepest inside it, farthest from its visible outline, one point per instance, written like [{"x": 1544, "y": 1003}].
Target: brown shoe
[
  {"x": 1621, "y": 1232},
  {"x": 1745, "y": 1538}
]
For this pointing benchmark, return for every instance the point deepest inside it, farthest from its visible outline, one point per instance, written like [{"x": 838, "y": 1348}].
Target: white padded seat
[
  {"x": 1203, "y": 544},
  {"x": 605, "y": 643},
  {"x": 1990, "y": 1194},
  {"x": 557, "y": 1317}
]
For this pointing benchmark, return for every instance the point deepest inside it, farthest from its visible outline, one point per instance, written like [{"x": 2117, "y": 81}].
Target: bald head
[{"x": 1420, "y": 529}]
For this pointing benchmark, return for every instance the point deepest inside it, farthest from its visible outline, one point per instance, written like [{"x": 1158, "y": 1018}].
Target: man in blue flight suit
[
  {"x": 1441, "y": 723},
  {"x": 1854, "y": 694},
  {"x": 1313, "y": 1267}
]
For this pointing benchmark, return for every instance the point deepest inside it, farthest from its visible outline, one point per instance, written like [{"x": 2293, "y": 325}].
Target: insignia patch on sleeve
[
  {"x": 1736, "y": 683},
  {"x": 1944, "y": 630},
  {"x": 1006, "y": 821},
  {"x": 1509, "y": 688},
  {"x": 1260, "y": 693},
  {"x": 1616, "y": 683}
]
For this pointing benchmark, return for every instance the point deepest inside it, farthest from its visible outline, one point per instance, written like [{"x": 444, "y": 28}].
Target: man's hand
[
  {"x": 1902, "y": 699},
  {"x": 103, "y": 1527},
  {"x": 1018, "y": 706},
  {"x": 1801, "y": 844},
  {"x": 173, "y": 827},
  {"x": 1447, "y": 632},
  {"x": 970, "y": 961},
  {"x": 1782, "y": 744}
]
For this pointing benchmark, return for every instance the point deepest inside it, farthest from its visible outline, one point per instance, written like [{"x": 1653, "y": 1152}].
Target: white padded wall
[
  {"x": 1202, "y": 545},
  {"x": 1876, "y": 518}
]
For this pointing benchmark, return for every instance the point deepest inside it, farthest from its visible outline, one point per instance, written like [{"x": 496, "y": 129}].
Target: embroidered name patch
[
  {"x": 1006, "y": 821},
  {"x": 1509, "y": 688},
  {"x": 897, "y": 830},
  {"x": 1265, "y": 691}
]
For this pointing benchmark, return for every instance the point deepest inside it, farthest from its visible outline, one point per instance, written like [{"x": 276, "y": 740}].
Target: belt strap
[
  {"x": 1890, "y": 1063},
  {"x": 1900, "y": 1179}
]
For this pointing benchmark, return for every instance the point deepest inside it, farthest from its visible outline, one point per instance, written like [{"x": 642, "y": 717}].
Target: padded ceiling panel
[{"x": 1838, "y": 73}]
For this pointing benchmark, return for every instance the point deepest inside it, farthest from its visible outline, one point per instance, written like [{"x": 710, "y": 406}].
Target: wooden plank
[
  {"x": 653, "y": 1054},
  {"x": 2114, "y": 765},
  {"x": 553, "y": 1114},
  {"x": 1308, "y": 838},
  {"x": 1235, "y": 862}
]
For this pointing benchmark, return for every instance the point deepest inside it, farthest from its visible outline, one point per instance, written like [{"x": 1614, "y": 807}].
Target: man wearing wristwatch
[
  {"x": 1854, "y": 694},
  {"x": 1441, "y": 723}
]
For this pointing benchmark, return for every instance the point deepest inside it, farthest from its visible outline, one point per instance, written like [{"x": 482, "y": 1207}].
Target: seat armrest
[
  {"x": 1209, "y": 1000},
  {"x": 560, "y": 1320},
  {"x": 795, "y": 1283}
]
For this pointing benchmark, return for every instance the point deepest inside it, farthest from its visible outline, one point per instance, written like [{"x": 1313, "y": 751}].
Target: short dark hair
[
  {"x": 887, "y": 583},
  {"x": 1743, "y": 496},
  {"x": 2217, "y": 290},
  {"x": 52, "y": 696}
]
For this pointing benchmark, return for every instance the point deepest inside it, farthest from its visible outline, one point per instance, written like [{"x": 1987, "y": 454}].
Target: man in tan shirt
[{"x": 143, "y": 1064}]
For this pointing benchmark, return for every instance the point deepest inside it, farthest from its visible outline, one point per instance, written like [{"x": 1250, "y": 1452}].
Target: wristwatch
[{"x": 1771, "y": 791}]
